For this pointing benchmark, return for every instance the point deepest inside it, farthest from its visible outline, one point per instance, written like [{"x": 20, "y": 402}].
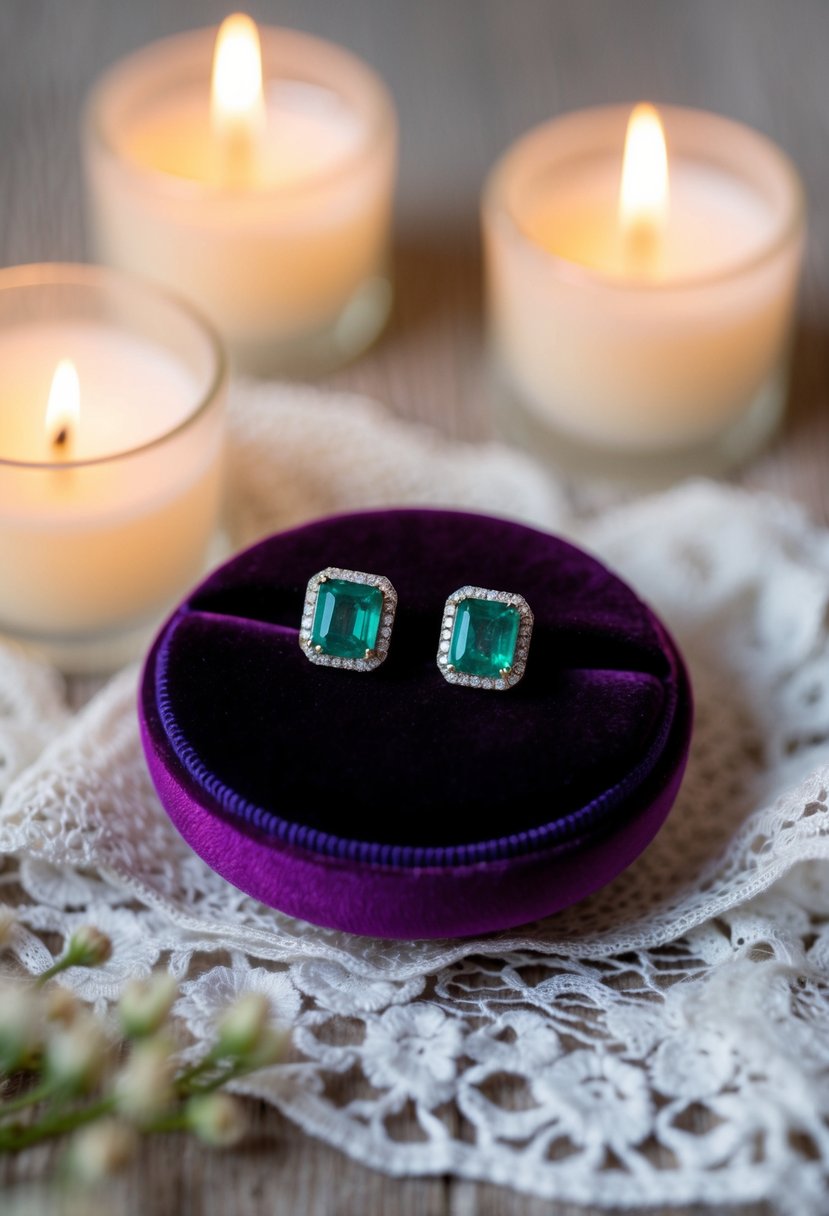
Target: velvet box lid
[{"x": 390, "y": 802}]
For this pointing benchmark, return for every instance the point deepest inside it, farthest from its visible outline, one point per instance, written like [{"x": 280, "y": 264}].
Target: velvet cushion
[{"x": 391, "y": 802}]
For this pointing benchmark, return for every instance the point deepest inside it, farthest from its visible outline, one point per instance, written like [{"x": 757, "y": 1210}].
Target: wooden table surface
[{"x": 468, "y": 76}]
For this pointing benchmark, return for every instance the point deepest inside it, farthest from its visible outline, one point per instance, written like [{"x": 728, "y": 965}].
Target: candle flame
[
  {"x": 237, "y": 99},
  {"x": 643, "y": 197},
  {"x": 64, "y": 406}
]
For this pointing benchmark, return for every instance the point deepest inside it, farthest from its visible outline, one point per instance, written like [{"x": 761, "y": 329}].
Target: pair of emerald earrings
[{"x": 348, "y": 617}]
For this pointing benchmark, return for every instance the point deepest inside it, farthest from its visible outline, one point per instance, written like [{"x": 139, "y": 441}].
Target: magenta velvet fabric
[{"x": 391, "y": 803}]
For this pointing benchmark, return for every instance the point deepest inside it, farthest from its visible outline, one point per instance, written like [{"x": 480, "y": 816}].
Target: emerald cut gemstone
[
  {"x": 484, "y": 638},
  {"x": 347, "y": 618}
]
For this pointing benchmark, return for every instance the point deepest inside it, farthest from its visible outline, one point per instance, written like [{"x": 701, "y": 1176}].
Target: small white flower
[
  {"x": 135, "y": 952},
  {"x": 206, "y": 1000},
  {"x": 241, "y": 1027},
  {"x": 413, "y": 1051},
  {"x": 518, "y": 1034},
  {"x": 89, "y": 946},
  {"x": 56, "y": 886},
  {"x": 217, "y": 1119},
  {"x": 271, "y": 1048},
  {"x": 342, "y": 991},
  {"x": 60, "y": 1005},
  {"x": 693, "y": 1066},
  {"x": 598, "y": 1098},
  {"x": 146, "y": 1003},
  {"x": 20, "y": 1024},
  {"x": 144, "y": 1086},
  {"x": 101, "y": 1150},
  {"x": 519, "y": 1042},
  {"x": 76, "y": 1057}
]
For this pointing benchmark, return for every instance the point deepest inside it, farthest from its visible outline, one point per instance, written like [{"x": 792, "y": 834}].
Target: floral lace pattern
[{"x": 667, "y": 1041}]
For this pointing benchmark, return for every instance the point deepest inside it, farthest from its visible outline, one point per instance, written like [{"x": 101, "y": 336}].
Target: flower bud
[
  {"x": 101, "y": 1150},
  {"x": 144, "y": 1086},
  {"x": 77, "y": 1056},
  {"x": 240, "y": 1030},
  {"x": 60, "y": 1005},
  {"x": 20, "y": 1026},
  {"x": 217, "y": 1119},
  {"x": 89, "y": 947},
  {"x": 145, "y": 1004},
  {"x": 272, "y": 1045}
]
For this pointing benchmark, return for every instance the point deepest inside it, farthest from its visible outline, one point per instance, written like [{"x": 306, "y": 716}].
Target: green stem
[
  {"x": 168, "y": 1123},
  {"x": 237, "y": 1069},
  {"x": 185, "y": 1078},
  {"x": 36, "y": 1094},
  {"x": 12, "y": 1139},
  {"x": 63, "y": 964}
]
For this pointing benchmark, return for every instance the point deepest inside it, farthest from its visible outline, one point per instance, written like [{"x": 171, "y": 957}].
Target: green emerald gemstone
[
  {"x": 483, "y": 638},
  {"x": 346, "y": 618}
]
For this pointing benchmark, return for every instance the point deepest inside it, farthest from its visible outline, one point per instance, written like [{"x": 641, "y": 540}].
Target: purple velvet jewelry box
[{"x": 391, "y": 802}]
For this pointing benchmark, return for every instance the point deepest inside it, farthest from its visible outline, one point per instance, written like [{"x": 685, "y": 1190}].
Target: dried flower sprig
[{"x": 73, "y": 1076}]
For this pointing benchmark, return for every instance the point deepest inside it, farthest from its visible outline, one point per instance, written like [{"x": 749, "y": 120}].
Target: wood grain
[{"x": 468, "y": 76}]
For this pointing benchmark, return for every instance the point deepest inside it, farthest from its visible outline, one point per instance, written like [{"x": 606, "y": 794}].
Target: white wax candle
[
  {"x": 104, "y": 524},
  {"x": 307, "y": 131},
  {"x": 643, "y": 352},
  {"x": 275, "y": 223},
  {"x": 132, "y": 392},
  {"x": 715, "y": 222}
]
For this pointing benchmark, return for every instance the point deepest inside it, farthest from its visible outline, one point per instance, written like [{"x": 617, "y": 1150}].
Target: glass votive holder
[
  {"x": 276, "y": 224},
  {"x": 112, "y": 426},
  {"x": 651, "y": 369}
]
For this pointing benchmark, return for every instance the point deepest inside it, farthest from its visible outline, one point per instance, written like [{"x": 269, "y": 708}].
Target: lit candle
[
  {"x": 251, "y": 171},
  {"x": 642, "y": 272},
  {"x": 111, "y": 437},
  {"x": 63, "y": 410},
  {"x": 238, "y": 120},
  {"x": 644, "y": 192}
]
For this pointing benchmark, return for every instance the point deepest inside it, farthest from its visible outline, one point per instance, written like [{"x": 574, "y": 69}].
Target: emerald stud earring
[
  {"x": 347, "y": 619},
  {"x": 484, "y": 638}
]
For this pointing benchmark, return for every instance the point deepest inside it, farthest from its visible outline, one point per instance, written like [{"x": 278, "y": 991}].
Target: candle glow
[
  {"x": 641, "y": 325},
  {"x": 644, "y": 191},
  {"x": 237, "y": 100},
  {"x": 250, "y": 169},
  {"x": 105, "y": 520},
  {"x": 63, "y": 407}
]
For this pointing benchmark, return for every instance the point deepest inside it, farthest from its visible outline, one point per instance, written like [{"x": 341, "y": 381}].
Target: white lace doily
[{"x": 667, "y": 1040}]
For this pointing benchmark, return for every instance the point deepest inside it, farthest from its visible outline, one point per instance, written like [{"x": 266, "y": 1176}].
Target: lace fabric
[{"x": 667, "y": 1041}]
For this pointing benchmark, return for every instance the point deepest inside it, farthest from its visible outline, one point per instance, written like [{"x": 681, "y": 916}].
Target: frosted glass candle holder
[
  {"x": 291, "y": 262},
  {"x": 647, "y": 376},
  {"x": 111, "y": 468}
]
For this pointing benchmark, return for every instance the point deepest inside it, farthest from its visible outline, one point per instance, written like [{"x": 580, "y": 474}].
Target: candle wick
[
  {"x": 62, "y": 437},
  {"x": 643, "y": 247}
]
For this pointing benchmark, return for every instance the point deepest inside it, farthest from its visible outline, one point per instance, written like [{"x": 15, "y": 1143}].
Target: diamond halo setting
[
  {"x": 484, "y": 638},
  {"x": 347, "y": 619}
]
